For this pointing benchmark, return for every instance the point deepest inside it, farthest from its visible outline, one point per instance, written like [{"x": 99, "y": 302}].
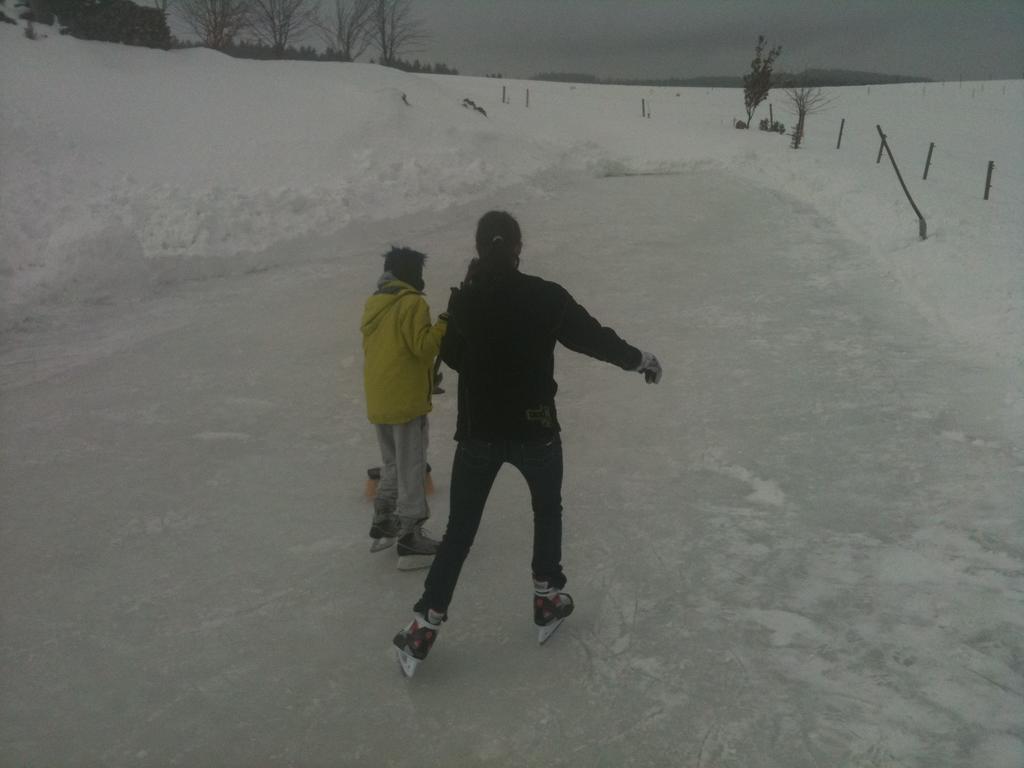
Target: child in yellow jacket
[{"x": 399, "y": 344}]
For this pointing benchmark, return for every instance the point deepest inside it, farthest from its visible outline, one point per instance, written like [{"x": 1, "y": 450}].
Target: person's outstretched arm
[{"x": 580, "y": 332}]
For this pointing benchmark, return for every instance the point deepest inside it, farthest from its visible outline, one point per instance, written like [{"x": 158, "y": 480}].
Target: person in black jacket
[{"x": 503, "y": 326}]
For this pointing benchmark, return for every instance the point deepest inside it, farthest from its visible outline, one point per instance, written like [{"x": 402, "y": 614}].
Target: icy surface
[{"x": 803, "y": 548}]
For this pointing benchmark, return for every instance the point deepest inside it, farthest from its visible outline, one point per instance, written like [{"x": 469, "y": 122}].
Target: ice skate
[
  {"x": 413, "y": 643},
  {"x": 416, "y": 550},
  {"x": 550, "y": 609},
  {"x": 385, "y": 526}
]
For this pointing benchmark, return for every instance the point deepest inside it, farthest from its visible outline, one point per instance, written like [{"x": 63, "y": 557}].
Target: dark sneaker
[
  {"x": 383, "y": 533},
  {"x": 416, "y": 550},
  {"x": 414, "y": 642},
  {"x": 385, "y": 526},
  {"x": 550, "y": 609}
]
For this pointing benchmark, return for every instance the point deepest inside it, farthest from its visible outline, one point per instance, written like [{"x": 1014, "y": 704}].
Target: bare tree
[
  {"x": 394, "y": 30},
  {"x": 347, "y": 33},
  {"x": 217, "y": 22},
  {"x": 806, "y": 100},
  {"x": 275, "y": 22}
]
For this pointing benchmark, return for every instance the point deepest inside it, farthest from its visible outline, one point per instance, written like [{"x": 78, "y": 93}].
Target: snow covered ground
[{"x": 803, "y": 548}]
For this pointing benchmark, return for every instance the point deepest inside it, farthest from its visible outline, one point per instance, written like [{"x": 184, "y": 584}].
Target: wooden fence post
[
  {"x": 880, "y": 148},
  {"x": 771, "y": 116},
  {"x": 988, "y": 178},
  {"x": 643, "y": 107},
  {"x": 922, "y": 226},
  {"x": 928, "y": 162},
  {"x": 503, "y": 98},
  {"x": 842, "y": 125},
  {"x": 527, "y": 98}
]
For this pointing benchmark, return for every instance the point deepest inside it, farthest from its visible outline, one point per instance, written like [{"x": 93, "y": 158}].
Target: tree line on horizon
[
  {"x": 253, "y": 49},
  {"x": 831, "y": 78},
  {"x": 258, "y": 29},
  {"x": 268, "y": 29}
]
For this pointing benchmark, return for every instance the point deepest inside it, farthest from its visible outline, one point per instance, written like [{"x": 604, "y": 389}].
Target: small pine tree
[{"x": 758, "y": 81}]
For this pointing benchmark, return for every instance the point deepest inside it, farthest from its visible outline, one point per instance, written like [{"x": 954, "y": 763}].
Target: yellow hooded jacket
[{"x": 399, "y": 345}]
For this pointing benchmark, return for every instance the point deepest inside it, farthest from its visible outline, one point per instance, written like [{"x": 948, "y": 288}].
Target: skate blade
[
  {"x": 414, "y": 562},
  {"x": 380, "y": 544},
  {"x": 544, "y": 633},
  {"x": 406, "y": 662}
]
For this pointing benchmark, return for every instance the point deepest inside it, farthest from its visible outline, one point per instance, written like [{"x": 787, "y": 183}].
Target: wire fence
[
  {"x": 978, "y": 156},
  {"x": 944, "y": 135}
]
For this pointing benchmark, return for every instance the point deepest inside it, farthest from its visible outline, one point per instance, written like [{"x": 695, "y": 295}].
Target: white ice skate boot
[
  {"x": 550, "y": 609},
  {"x": 414, "y": 642}
]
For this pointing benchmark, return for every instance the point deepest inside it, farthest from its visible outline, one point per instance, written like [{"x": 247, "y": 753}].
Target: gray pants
[{"x": 403, "y": 451}]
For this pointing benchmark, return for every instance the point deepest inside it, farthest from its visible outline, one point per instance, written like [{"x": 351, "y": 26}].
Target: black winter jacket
[{"x": 501, "y": 341}]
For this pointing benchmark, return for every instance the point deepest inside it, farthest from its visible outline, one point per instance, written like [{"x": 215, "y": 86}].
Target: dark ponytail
[{"x": 498, "y": 242}]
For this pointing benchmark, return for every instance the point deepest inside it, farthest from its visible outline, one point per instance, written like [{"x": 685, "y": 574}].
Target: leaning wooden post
[
  {"x": 771, "y": 117},
  {"x": 842, "y": 124},
  {"x": 527, "y": 97},
  {"x": 880, "y": 148},
  {"x": 988, "y": 178},
  {"x": 643, "y": 107},
  {"x": 928, "y": 162},
  {"x": 922, "y": 226}
]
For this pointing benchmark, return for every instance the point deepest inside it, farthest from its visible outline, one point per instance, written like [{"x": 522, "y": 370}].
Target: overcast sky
[{"x": 940, "y": 39}]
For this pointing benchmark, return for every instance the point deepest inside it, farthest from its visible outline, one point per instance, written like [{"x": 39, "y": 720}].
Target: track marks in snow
[
  {"x": 763, "y": 492},
  {"x": 222, "y": 436},
  {"x": 787, "y": 628}
]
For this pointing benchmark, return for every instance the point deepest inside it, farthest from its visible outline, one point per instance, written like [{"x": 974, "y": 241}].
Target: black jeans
[{"x": 473, "y": 471}]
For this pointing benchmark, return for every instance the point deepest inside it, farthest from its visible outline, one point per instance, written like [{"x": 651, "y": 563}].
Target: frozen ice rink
[{"x": 802, "y": 549}]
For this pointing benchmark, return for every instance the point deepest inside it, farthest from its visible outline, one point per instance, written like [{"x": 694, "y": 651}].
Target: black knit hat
[{"x": 406, "y": 265}]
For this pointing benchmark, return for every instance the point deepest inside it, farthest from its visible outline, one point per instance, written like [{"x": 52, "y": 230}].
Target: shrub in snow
[
  {"x": 114, "y": 21},
  {"x": 37, "y": 16},
  {"x": 775, "y": 127}
]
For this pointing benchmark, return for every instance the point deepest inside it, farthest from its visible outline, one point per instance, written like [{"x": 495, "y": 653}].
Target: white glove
[{"x": 650, "y": 368}]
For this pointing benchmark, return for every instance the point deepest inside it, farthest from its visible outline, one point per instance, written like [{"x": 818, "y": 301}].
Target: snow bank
[{"x": 124, "y": 166}]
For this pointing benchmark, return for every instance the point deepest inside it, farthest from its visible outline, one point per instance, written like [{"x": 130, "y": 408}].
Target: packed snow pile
[
  {"x": 125, "y": 168},
  {"x": 123, "y": 165}
]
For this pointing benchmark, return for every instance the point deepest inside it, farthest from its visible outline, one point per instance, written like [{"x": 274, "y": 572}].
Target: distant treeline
[
  {"x": 247, "y": 49},
  {"x": 836, "y": 77},
  {"x": 811, "y": 77}
]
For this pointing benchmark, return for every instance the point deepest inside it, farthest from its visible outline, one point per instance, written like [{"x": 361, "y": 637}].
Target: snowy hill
[
  {"x": 127, "y": 166},
  {"x": 127, "y": 162}
]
